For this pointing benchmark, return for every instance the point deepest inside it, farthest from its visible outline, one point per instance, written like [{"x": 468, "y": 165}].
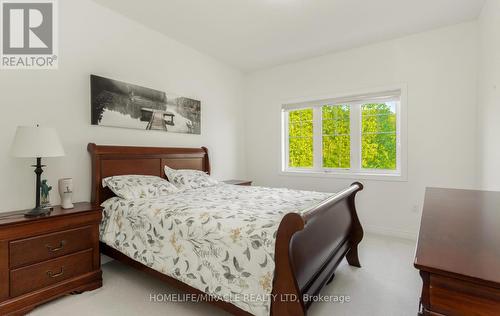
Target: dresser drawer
[
  {"x": 40, "y": 248},
  {"x": 40, "y": 275},
  {"x": 461, "y": 298}
]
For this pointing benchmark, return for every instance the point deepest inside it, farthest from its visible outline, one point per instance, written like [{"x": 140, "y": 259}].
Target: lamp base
[{"x": 36, "y": 212}]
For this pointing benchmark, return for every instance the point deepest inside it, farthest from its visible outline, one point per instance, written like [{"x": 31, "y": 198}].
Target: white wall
[
  {"x": 95, "y": 40},
  {"x": 489, "y": 95},
  {"x": 439, "y": 68}
]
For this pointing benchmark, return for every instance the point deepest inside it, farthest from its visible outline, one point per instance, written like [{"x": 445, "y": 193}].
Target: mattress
[{"x": 219, "y": 239}]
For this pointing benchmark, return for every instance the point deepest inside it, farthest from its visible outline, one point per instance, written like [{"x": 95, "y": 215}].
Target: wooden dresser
[
  {"x": 46, "y": 257},
  {"x": 458, "y": 253}
]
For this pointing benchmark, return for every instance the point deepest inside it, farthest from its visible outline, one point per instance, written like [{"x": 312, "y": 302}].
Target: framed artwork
[{"x": 120, "y": 104}]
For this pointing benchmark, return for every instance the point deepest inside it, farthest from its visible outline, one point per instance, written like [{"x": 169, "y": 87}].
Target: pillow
[
  {"x": 189, "y": 179},
  {"x": 137, "y": 186}
]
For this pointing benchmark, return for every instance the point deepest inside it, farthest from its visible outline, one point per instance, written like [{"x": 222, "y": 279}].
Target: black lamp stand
[{"x": 38, "y": 211}]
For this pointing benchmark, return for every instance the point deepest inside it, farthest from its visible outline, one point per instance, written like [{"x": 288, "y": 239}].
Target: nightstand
[
  {"x": 46, "y": 257},
  {"x": 238, "y": 182}
]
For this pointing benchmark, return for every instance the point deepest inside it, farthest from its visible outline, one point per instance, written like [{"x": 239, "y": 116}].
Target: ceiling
[{"x": 255, "y": 34}]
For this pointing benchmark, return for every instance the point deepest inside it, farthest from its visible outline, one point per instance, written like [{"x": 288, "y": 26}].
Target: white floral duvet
[{"x": 217, "y": 239}]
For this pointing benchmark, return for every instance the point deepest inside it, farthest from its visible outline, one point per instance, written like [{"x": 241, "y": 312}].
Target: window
[
  {"x": 358, "y": 135},
  {"x": 379, "y": 136},
  {"x": 336, "y": 136},
  {"x": 300, "y": 135}
]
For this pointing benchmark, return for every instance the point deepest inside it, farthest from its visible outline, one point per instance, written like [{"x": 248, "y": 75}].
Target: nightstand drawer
[
  {"x": 44, "y": 247},
  {"x": 40, "y": 275}
]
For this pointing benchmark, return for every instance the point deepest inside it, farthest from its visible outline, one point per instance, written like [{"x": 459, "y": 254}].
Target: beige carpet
[{"x": 387, "y": 285}]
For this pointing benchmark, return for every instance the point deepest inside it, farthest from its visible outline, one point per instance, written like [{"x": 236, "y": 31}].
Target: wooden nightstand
[
  {"x": 238, "y": 182},
  {"x": 47, "y": 257}
]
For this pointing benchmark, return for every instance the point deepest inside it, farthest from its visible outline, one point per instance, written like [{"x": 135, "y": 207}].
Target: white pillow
[
  {"x": 131, "y": 187},
  {"x": 189, "y": 179}
]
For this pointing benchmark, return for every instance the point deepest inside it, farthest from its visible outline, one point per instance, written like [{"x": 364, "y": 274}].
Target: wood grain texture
[
  {"x": 118, "y": 167},
  {"x": 17, "y": 217},
  {"x": 40, "y": 248},
  {"x": 121, "y": 160},
  {"x": 34, "y": 246},
  {"x": 21, "y": 305},
  {"x": 458, "y": 224},
  {"x": 185, "y": 163},
  {"x": 4, "y": 270},
  {"x": 452, "y": 296},
  {"x": 458, "y": 252},
  {"x": 308, "y": 247},
  {"x": 40, "y": 275}
]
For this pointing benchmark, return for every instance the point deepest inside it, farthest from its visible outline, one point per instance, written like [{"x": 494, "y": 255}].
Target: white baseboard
[{"x": 390, "y": 232}]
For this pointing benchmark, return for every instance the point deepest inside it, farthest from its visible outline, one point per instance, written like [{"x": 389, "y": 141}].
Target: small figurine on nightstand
[
  {"x": 66, "y": 192},
  {"x": 44, "y": 194}
]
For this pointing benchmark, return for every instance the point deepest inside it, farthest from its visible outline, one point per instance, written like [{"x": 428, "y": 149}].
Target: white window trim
[{"x": 374, "y": 94}]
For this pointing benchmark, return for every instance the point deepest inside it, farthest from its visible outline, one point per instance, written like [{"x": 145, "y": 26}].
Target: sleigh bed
[{"x": 308, "y": 245}]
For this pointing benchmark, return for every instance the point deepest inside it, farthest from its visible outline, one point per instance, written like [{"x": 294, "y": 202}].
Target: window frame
[{"x": 355, "y": 100}]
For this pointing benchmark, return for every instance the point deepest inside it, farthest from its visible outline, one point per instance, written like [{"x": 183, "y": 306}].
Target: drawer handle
[
  {"x": 55, "y": 275},
  {"x": 55, "y": 249}
]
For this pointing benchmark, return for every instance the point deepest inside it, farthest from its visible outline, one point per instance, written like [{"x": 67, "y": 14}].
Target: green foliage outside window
[
  {"x": 336, "y": 136},
  {"x": 300, "y": 132},
  {"x": 378, "y": 137}
]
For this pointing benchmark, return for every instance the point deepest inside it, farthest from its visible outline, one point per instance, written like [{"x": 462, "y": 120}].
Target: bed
[{"x": 297, "y": 238}]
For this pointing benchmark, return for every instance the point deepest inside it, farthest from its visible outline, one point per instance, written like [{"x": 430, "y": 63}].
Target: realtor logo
[{"x": 28, "y": 34}]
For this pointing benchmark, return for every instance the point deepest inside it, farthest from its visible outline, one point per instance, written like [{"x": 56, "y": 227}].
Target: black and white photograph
[{"x": 120, "y": 104}]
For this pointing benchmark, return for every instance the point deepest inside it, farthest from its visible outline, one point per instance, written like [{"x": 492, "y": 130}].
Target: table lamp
[{"x": 36, "y": 142}]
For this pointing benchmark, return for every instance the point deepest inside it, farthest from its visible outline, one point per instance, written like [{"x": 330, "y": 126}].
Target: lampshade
[{"x": 33, "y": 142}]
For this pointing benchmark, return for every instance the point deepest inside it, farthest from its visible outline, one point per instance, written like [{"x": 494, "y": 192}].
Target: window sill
[{"x": 344, "y": 175}]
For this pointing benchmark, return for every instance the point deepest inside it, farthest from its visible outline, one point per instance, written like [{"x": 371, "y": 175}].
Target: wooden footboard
[{"x": 309, "y": 248}]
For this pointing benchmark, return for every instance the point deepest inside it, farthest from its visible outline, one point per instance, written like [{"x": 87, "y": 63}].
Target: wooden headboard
[{"x": 110, "y": 161}]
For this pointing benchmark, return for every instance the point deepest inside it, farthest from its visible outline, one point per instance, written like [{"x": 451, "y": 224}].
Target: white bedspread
[{"x": 219, "y": 239}]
